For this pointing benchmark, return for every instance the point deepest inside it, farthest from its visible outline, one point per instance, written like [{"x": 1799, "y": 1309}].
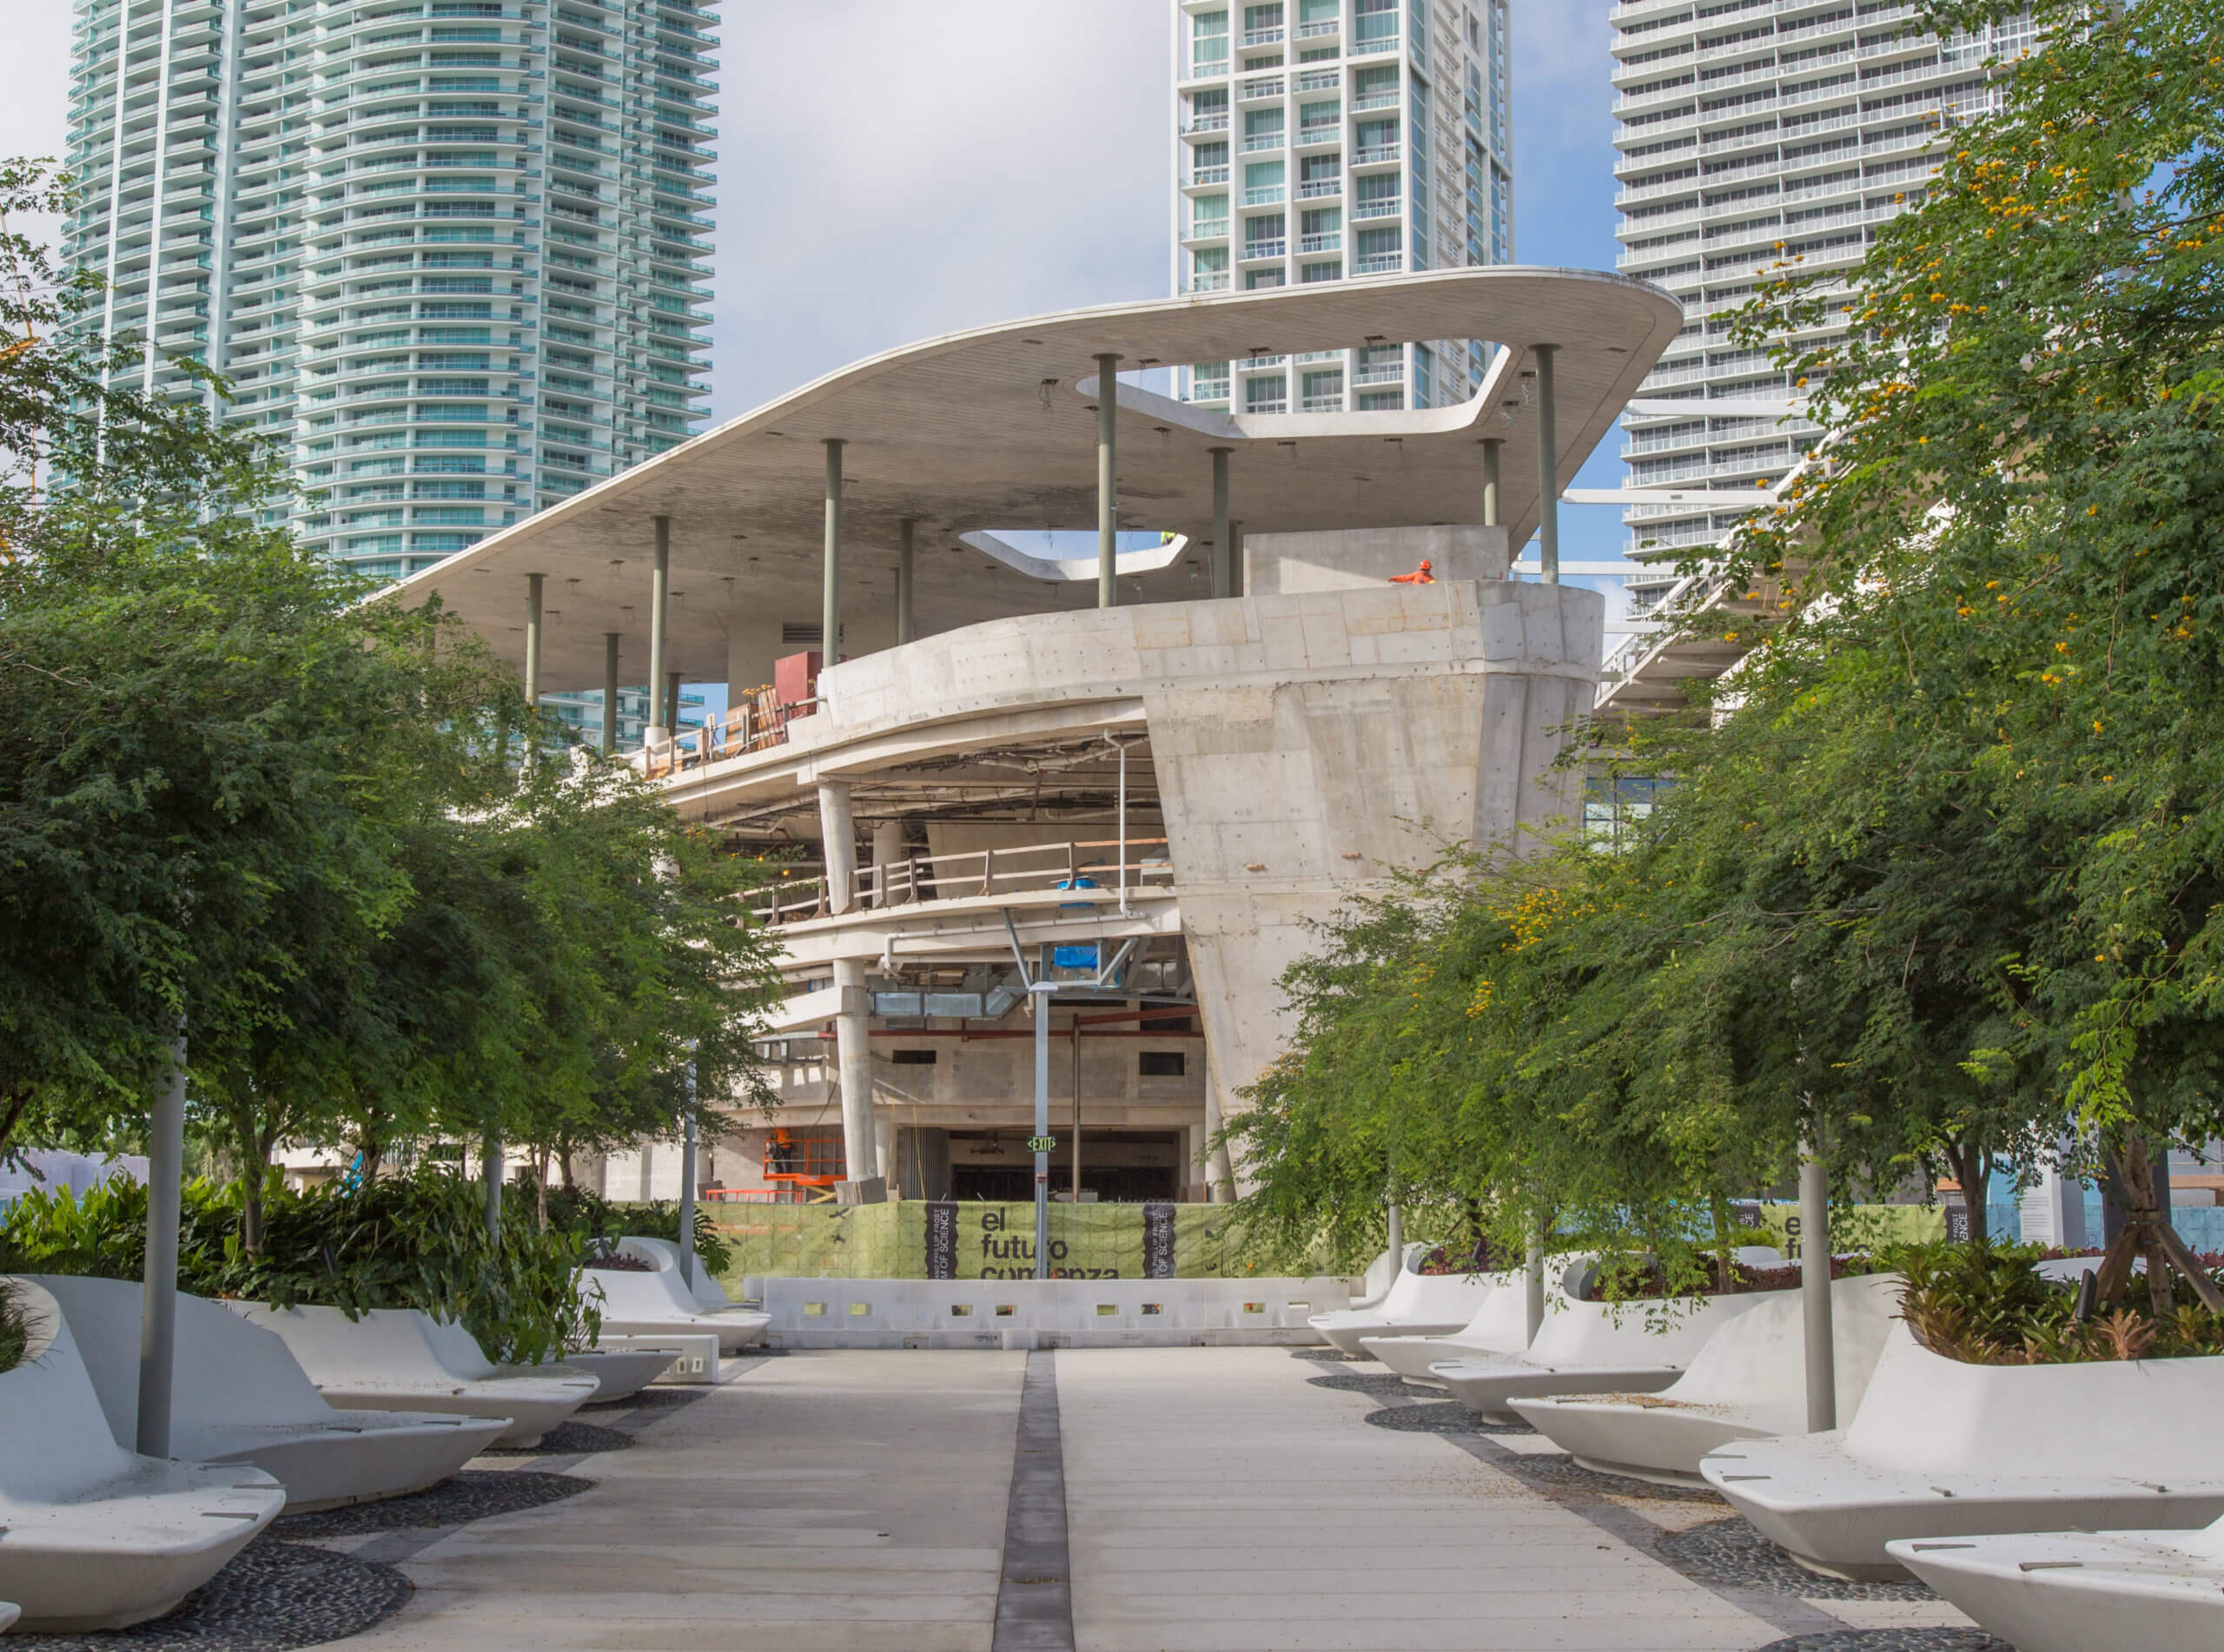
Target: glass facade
[
  {"x": 1391, "y": 114},
  {"x": 1748, "y": 133},
  {"x": 452, "y": 254}
]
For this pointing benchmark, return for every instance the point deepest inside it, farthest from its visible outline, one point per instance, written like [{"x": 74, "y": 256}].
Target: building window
[
  {"x": 1209, "y": 42},
  {"x": 1332, "y": 270},
  {"x": 1268, "y": 394},
  {"x": 1208, "y": 164},
  {"x": 1262, "y": 129},
  {"x": 1162, "y": 1064},
  {"x": 1256, "y": 280},
  {"x": 1264, "y": 183}
]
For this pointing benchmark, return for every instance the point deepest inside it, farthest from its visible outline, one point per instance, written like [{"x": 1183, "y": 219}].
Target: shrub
[
  {"x": 14, "y": 1334},
  {"x": 414, "y": 1242},
  {"x": 598, "y": 1222},
  {"x": 1983, "y": 1305}
]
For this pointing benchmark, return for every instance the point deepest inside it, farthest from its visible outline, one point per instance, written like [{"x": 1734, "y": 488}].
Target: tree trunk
[
  {"x": 1972, "y": 1168},
  {"x": 1722, "y": 1246},
  {"x": 564, "y": 1163},
  {"x": 373, "y": 1152},
  {"x": 12, "y": 1114},
  {"x": 540, "y": 1187}
]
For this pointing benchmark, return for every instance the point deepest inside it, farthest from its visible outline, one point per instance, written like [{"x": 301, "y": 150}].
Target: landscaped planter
[
  {"x": 2060, "y": 1591},
  {"x": 239, "y": 1396},
  {"x": 1418, "y": 1305},
  {"x": 96, "y": 1536},
  {"x": 1941, "y": 1449},
  {"x": 1596, "y": 1348},
  {"x": 1748, "y": 1382}
]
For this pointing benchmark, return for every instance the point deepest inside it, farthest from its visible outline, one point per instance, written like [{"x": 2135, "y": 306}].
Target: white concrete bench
[
  {"x": 2062, "y": 1591},
  {"x": 694, "y": 1359},
  {"x": 9, "y": 1612},
  {"x": 1595, "y": 1348},
  {"x": 1940, "y": 1448},
  {"x": 617, "y": 1372},
  {"x": 395, "y": 1359},
  {"x": 1500, "y": 1326},
  {"x": 1748, "y": 1382},
  {"x": 1417, "y": 1305},
  {"x": 659, "y": 1303},
  {"x": 1079, "y": 1314},
  {"x": 239, "y": 1396},
  {"x": 92, "y": 1536}
]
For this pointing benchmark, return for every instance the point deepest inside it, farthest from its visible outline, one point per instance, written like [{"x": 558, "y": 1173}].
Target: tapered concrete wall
[{"x": 1389, "y": 721}]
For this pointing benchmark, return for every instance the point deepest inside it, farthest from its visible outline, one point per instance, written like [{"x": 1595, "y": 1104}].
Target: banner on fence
[{"x": 975, "y": 1239}]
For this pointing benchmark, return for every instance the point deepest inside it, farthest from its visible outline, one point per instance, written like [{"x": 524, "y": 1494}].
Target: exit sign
[{"x": 1041, "y": 1143}]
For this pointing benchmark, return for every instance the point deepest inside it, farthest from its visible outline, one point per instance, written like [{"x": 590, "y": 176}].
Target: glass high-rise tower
[
  {"x": 1751, "y": 132},
  {"x": 452, "y": 254},
  {"x": 1330, "y": 141}
]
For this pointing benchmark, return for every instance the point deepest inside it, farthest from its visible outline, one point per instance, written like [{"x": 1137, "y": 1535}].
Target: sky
[{"x": 889, "y": 170}]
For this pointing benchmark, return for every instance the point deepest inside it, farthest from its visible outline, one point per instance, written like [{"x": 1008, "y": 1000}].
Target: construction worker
[{"x": 1420, "y": 576}]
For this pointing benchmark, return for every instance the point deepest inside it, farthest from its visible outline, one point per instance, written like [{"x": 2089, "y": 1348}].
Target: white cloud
[{"x": 888, "y": 171}]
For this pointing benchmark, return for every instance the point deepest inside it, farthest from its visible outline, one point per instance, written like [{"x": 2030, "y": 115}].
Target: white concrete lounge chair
[
  {"x": 395, "y": 1359},
  {"x": 658, "y": 1303},
  {"x": 2062, "y": 1591},
  {"x": 1382, "y": 1273},
  {"x": 1500, "y": 1326},
  {"x": 1417, "y": 1305},
  {"x": 91, "y": 1536},
  {"x": 9, "y": 1612},
  {"x": 239, "y": 1396},
  {"x": 1594, "y": 1348},
  {"x": 1748, "y": 1382},
  {"x": 1940, "y": 1448}
]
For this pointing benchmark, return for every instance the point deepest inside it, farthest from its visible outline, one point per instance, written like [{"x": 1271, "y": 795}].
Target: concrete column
[
  {"x": 1548, "y": 466},
  {"x": 158, "y": 1288},
  {"x": 1223, "y": 552},
  {"x": 905, "y": 630},
  {"x": 888, "y": 886},
  {"x": 853, "y": 1051},
  {"x": 533, "y": 583},
  {"x": 885, "y": 1162},
  {"x": 672, "y": 701},
  {"x": 1532, "y": 1272},
  {"x": 837, "y": 830},
  {"x": 1235, "y": 559},
  {"x": 1220, "y": 1179},
  {"x": 830, "y": 596},
  {"x": 659, "y": 607},
  {"x": 1492, "y": 449},
  {"x": 1108, "y": 481},
  {"x": 609, "y": 639}
]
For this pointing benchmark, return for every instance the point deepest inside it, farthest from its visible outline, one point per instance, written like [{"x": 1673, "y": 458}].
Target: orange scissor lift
[{"x": 811, "y": 1167}]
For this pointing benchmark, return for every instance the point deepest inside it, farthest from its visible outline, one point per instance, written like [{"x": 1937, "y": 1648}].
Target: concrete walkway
[{"x": 1214, "y": 1499}]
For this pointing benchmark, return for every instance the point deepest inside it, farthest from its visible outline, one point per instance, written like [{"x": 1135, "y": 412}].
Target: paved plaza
[{"x": 1153, "y": 1499}]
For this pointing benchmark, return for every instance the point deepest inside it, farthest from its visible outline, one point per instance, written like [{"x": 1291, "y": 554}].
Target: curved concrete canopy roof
[{"x": 995, "y": 428}]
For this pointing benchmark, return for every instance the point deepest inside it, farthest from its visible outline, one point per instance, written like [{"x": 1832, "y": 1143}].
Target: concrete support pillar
[
  {"x": 533, "y": 584},
  {"x": 1223, "y": 552},
  {"x": 1548, "y": 466},
  {"x": 609, "y": 639},
  {"x": 830, "y": 593},
  {"x": 838, "y": 832},
  {"x": 158, "y": 1287},
  {"x": 1235, "y": 559},
  {"x": 886, "y": 1164},
  {"x": 672, "y": 701},
  {"x": 659, "y": 612},
  {"x": 906, "y": 629},
  {"x": 853, "y": 1053},
  {"x": 1220, "y": 1179},
  {"x": 1108, "y": 481},
  {"x": 1493, "y": 449},
  {"x": 1533, "y": 1282},
  {"x": 889, "y": 886}
]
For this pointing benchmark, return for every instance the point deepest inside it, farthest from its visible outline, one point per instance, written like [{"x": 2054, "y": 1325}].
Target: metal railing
[
  {"x": 1052, "y": 869},
  {"x": 1314, "y": 188}
]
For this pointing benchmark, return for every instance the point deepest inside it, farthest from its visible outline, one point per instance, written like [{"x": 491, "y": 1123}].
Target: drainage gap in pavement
[{"x": 1034, "y": 1598}]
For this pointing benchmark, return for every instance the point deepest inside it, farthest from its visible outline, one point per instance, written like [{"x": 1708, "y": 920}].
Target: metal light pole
[
  {"x": 1533, "y": 1273},
  {"x": 1108, "y": 481},
  {"x": 687, "y": 1182},
  {"x": 1040, "y": 989},
  {"x": 158, "y": 1291},
  {"x": 1814, "y": 1290}
]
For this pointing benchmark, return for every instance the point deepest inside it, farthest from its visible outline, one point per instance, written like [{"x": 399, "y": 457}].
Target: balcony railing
[
  {"x": 1377, "y": 155},
  {"x": 1368, "y": 47},
  {"x": 1263, "y": 141},
  {"x": 1322, "y": 404},
  {"x": 1375, "y": 100},
  {"x": 1279, "y": 405},
  {"x": 1330, "y": 132},
  {"x": 1266, "y": 195},
  {"x": 1208, "y": 174},
  {"x": 1205, "y": 123},
  {"x": 1278, "y": 248},
  {"x": 1377, "y": 208},
  {"x": 1314, "y": 30},
  {"x": 1269, "y": 86},
  {"x": 1081, "y": 872},
  {"x": 1209, "y": 280},
  {"x": 1393, "y": 372},
  {"x": 1207, "y": 230},
  {"x": 1315, "y": 189},
  {"x": 1262, "y": 36},
  {"x": 1330, "y": 243}
]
